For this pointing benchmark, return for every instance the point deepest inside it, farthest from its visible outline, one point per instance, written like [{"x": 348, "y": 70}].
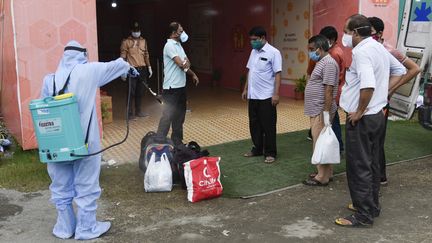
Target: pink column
[{"x": 42, "y": 29}]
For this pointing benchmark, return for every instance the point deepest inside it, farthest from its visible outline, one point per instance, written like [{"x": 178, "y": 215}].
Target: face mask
[
  {"x": 330, "y": 44},
  {"x": 347, "y": 40},
  {"x": 184, "y": 37},
  {"x": 314, "y": 56},
  {"x": 136, "y": 34},
  {"x": 256, "y": 44}
]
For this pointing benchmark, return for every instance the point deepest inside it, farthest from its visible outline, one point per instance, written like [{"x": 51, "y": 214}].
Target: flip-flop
[
  {"x": 249, "y": 154},
  {"x": 314, "y": 182},
  {"x": 313, "y": 174},
  {"x": 351, "y": 221},
  {"x": 351, "y": 207},
  {"x": 269, "y": 159}
]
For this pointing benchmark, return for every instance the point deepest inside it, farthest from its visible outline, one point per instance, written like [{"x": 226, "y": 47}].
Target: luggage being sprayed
[
  {"x": 202, "y": 177},
  {"x": 153, "y": 143},
  {"x": 158, "y": 176}
]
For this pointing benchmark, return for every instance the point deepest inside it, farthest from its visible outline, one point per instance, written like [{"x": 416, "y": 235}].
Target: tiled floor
[{"x": 217, "y": 116}]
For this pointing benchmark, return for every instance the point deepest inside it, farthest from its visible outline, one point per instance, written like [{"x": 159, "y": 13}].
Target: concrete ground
[{"x": 298, "y": 214}]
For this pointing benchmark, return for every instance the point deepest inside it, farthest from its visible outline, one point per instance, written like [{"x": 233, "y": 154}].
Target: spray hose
[{"x": 157, "y": 97}]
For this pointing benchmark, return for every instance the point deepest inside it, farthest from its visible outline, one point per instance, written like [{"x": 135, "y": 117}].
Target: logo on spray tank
[
  {"x": 43, "y": 111},
  {"x": 49, "y": 126},
  {"x": 46, "y": 124}
]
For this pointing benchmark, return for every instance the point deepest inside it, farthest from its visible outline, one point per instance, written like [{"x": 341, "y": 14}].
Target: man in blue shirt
[
  {"x": 262, "y": 91},
  {"x": 176, "y": 65}
]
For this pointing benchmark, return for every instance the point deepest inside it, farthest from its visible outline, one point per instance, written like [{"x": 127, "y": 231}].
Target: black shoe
[
  {"x": 132, "y": 117},
  {"x": 142, "y": 114},
  {"x": 384, "y": 182}
]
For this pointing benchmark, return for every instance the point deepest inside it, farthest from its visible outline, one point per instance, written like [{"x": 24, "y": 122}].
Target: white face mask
[
  {"x": 136, "y": 34},
  {"x": 184, "y": 37},
  {"x": 347, "y": 40}
]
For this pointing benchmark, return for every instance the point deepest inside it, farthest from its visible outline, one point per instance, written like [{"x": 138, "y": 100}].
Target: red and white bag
[{"x": 202, "y": 178}]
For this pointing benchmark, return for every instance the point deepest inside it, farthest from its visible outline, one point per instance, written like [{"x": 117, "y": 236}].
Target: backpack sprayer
[{"x": 56, "y": 122}]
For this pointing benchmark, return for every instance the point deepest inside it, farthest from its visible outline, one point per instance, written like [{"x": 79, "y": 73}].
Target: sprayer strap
[
  {"x": 64, "y": 86},
  {"x": 54, "y": 87},
  {"x": 88, "y": 128}
]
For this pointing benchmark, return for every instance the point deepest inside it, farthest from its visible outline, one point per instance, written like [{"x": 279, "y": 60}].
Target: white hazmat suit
[{"x": 78, "y": 180}]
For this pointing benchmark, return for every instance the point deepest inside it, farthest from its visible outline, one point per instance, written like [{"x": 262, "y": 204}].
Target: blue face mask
[
  {"x": 314, "y": 56},
  {"x": 256, "y": 44}
]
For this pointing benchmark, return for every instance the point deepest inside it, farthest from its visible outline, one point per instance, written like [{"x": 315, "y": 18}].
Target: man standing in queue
[
  {"x": 363, "y": 97},
  {"x": 176, "y": 66},
  {"x": 262, "y": 92}
]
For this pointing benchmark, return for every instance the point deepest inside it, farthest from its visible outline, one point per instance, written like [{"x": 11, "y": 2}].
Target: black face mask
[{"x": 75, "y": 48}]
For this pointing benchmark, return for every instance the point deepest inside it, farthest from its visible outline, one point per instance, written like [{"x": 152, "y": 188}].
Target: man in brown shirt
[{"x": 134, "y": 50}]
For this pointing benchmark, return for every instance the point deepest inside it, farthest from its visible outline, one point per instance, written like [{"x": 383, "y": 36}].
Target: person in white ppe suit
[{"x": 78, "y": 180}]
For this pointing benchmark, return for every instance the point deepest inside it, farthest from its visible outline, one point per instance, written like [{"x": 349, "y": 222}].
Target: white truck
[{"x": 415, "y": 40}]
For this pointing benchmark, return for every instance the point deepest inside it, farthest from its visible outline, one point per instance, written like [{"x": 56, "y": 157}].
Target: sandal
[
  {"x": 250, "y": 154},
  {"x": 354, "y": 209},
  {"x": 313, "y": 174},
  {"x": 351, "y": 207},
  {"x": 269, "y": 159},
  {"x": 314, "y": 182},
  {"x": 351, "y": 221}
]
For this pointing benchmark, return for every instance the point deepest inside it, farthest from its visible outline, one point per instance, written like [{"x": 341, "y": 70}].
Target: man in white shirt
[
  {"x": 363, "y": 97},
  {"x": 262, "y": 91}
]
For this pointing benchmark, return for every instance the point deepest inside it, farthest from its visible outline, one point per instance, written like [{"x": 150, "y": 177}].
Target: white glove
[
  {"x": 133, "y": 72},
  {"x": 150, "y": 71},
  {"x": 326, "y": 118},
  {"x": 123, "y": 76}
]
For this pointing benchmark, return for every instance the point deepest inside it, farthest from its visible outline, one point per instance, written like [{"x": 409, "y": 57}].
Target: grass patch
[
  {"x": 23, "y": 172},
  {"x": 240, "y": 176},
  {"x": 250, "y": 176}
]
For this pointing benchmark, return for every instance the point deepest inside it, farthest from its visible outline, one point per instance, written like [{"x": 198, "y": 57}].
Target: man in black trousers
[
  {"x": 176, "y": 66},
  {"x": 262, "y": 91},
  {"x": 363, "y": 97}
]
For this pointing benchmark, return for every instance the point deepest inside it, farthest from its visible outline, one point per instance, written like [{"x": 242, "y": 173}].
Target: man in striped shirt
[{"x": 320, "y": 98}]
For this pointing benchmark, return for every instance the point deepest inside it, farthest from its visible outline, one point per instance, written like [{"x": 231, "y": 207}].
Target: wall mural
[{"x": 291, "y": 31}]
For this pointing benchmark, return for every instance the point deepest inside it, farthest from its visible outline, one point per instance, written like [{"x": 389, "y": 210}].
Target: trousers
[
  {"x": 262, "y": 126},
  {"x": 363, "y": 142}
]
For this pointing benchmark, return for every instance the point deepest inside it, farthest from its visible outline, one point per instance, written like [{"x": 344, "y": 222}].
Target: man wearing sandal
[
  {"x": 320, "y": 99},
  {"x": 363, "y": 97},
  {"x": 262, "y": 92}
]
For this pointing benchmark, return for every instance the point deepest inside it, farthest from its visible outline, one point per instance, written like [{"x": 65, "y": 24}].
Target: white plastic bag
[
  {"x": 326, "y": 148},
  {"x": 158, "y": 176}
]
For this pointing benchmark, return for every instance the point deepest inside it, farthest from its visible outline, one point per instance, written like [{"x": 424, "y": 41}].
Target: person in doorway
[
  {"x": 336, "y": 52},
  {"x": 363, "y": 97},
  {"x": 134, "y": 50},
  {"x": 78, "y": 180},
  {"x": 320, "y": 99},
  {"x": 176, "y": 66},
  {"x": 412, "y": 70},
  {"x": 262, "y": 92}
]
